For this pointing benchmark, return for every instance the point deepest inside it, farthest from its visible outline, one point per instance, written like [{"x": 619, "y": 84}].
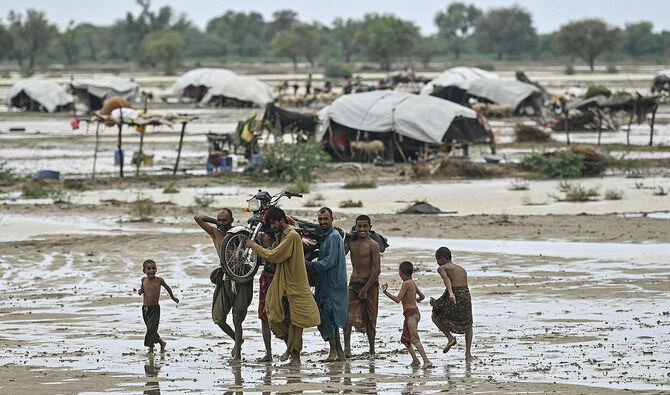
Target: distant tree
[
  {"x": 345, "y": 32},
  {"x": 457, "y": 25},
  {"x": 506, "y": 31},
  {"x": 70, "y": 43},
  {"x": 91, "y": 37},
  {"x": 6, "y": 42},
  {"x": 32, "y": 35},
  {"x": 166, "y": 48},
  {"x": 201, "y": 44},
  {"x": 385, "y": 37},
  {"x": 282, "y": 20},
  {"x": 586, "y": 39},
  {"x": 243, "y": 34},
  {"x": 546, "y": 45},
  {"x": 426, "y": 49},
  {"x": 300, "y": 40},
  {"x": 639, "y": 39}
]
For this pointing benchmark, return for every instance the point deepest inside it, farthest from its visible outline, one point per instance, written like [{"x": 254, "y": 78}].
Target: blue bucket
[
  {"x": 226, "y": 163},
  {"x": 48, "y": 174},
  {"x": 118, "y": 157},
  {"x": 209, "y": 166}
]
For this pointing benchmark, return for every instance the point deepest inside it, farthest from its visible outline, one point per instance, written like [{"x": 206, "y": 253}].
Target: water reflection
[
  {"x": 151, "y": 370},
  {"x": 236, "y": 368}
]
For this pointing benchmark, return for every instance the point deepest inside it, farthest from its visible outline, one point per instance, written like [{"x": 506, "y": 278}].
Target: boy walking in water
[
  {"x": 151, "y": 310},
  {"x": 452, "y": 312},
  {"x": 410, "y": 329}
]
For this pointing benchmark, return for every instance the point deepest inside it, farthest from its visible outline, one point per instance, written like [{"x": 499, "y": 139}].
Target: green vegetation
[
  {"x": 569, "y": 70},
  {"x": 143, "y": 210},
  {"x": 337, "y": 71},
  {"x": 595, "y": 90},
  {"x": 576, "y": 193},
  {"x": 614, "y": 194},
  {"x": 36, "y": 190},
  {"x": 170, "y": 188},
  {"x": 299, "y": 186},
  {"x": 203, "y": 199},
  {"x": 564, "y": 164},
  {"x": 7, "y": 176},
  {"x": 317, "y": 201},
  {"x": 587, "y": 39},
  {"x": 360, "y": 184},
  {"x": 289, "y": 162},
  {"x": 350, "y": 203}
]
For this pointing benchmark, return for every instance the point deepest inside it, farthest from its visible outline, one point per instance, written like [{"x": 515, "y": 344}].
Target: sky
[{"x": 547, "y": 15}]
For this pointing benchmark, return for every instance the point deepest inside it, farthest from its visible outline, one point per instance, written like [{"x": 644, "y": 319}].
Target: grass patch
[
  {"x": 203, "y": 199},
  {"x": 576, "y": 193},
  {"x": 6, "y": 174},
  {"x": 360, "y": 184},
  {"x": 659, "y": 191},
  {"x": 143, "y": 210},
  {"x": 613, "y": 194},
  {"x": 299, "y": 186},
  {"x": 317, "y": 201},
  {"x": 519, "y": 185},
  {"x": 170, "y": 188},
  {"x": 350, "y": 203},
  {"x": 36, "y": 190},
  {"x": 528, "y": 133}
]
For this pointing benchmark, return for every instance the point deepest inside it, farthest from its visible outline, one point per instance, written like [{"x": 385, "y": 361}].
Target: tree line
[{"x": 163, "y": 38}]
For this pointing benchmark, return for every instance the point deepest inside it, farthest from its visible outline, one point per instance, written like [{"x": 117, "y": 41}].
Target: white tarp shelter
[
  {"x": 199, "y": 77},
  {"x": 421, "y": 117},
  {"x": 504, "y": 92},
  {"x": 242, "y": 88},
  {"x": 49, "y": 95},
  {"x": 460, "y": 77},
  {"x": 94, "y": 92}
]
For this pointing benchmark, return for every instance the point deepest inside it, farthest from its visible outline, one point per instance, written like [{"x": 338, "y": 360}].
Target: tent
[
  {"x": 93, "y": 92},
  {"x": 419, "y": 119},
  {"x": 38, "y": 95},
  {"x": 243, "y": 89},
  {"x": 287, "y": 121},
  {"x": 661, "y": 81},
  {"x": 195, "y": 83},
  {"x": 460, "y": 83}
]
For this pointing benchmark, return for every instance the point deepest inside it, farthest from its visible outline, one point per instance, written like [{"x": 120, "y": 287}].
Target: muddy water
[{"x": 554, "y": 312}]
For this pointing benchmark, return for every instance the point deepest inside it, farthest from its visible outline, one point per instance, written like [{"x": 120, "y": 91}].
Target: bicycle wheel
[{"x": 239, "y": 265}]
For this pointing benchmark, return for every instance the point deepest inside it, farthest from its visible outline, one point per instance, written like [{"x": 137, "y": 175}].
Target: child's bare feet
[
  {"x": 162, "y": 343},
  {"x": 151, "y": 350},
  {"x": 469, "y": 357},
  {"x": 427, "y": 365},
  {"x": 449, "y": 345},
  {"x": 415, "y": 363}
]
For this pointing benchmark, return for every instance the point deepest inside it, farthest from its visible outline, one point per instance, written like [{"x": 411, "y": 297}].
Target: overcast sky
[{"x": 547, "y": 15}]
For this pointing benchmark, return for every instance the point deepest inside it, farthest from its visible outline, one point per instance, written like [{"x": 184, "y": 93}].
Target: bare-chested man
[
  {"x": 363, "y": 285},
  {"x": 227, "y": 297}
]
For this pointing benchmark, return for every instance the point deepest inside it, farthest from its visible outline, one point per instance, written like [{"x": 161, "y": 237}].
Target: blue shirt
[{"x": 331, "y": 288}]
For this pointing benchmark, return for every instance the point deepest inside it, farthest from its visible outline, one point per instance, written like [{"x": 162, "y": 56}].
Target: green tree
[
  {"x": 506, "y": 31},
  {"x": 639, "y": 40},
  {"x": 70, "y": 43},
  {"x": 201, "y": 44},
  {"x": 385, "y": 37},
  {"x": 32, "y": 35},
  {"x": 243, "y": 34},
  {"x": 164, "y": 47},
  {"x": 586, "y": 39},
  {"x": 457, "y": 25},
  {"x": 282, "y": 21},
  {"x": 91, "y": 38},
  {"x": 300, "y": 40},
  {"x": 426, "y": 49},
  {"x": 6, "y": 42},
  {"x": 345, "y": 32}
]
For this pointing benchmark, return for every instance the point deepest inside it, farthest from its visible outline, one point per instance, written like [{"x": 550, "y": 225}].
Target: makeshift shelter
[
  {"x": 195, "y": 83},
  {"x": 459, "y": 84},
  {"x": 405, "y": 123},
  {"x": 289, "y": 121},
  {"x": 661, "y": 82},
  {"x": 38, "y": 95},
  {"x": 94, "y": 92},
  {"x": 240, "y": 91}
]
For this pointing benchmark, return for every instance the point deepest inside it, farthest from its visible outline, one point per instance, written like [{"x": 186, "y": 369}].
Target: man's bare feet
[
  {"x": 331, "y": 358},
  {"x": 415, "y": 363},
  {"x": 162, "y": 343},
  {"x": 266, "y": 358},
  {"x": 237, "y": 350},
  {"x": 449, "y": 345},
  {"x": 151, "y": 350},
  {"x": 347, "y": 353},
  {"x": 428, "y": 365},
  {"x": 285, "y": 356},
  {"x": 295, "y": 359}
]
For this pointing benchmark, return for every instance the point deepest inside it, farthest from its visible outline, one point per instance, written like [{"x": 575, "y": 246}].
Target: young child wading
[
  {"x": 410, "y": 330},
  {"x": 151, "y": 310}
]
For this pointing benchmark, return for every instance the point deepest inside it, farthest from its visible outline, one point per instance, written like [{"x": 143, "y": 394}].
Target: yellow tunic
[{"x": 290, "y": 280}]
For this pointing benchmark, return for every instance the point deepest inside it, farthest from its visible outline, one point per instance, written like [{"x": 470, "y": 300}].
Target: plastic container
[
  {"x": 209, "y": 166},
  {"x": 226, "y": 163},
  {"x": 255, "y": 159},
  {"x": 118, "y": 157},
  {"x": 48, "y": 174}
]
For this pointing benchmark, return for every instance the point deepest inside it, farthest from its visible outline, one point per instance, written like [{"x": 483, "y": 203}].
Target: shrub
[
  {"x": 299, "y": 186},
  {"x": 593, "y": 162},
  {"x": 659, "y": 191},
  {"x": 6, "y": 174},
  {"x": 612, "y": 69},
  {"x": 595, "y": 90},
  {"x": 577, "y": 193},
  {"x": 350, "y": 203},
  {"x": 288, "y": 162},
  {"x": 527, "y": 133},
  {"x": 337, "y": 71},
  {"x": 203, "y": 199},
  {"x": 563, "y": 164},
  {"x": 360, "y": 184},
  {"x": 569, "y": 70},
  {"x": 36, "y": 190},
  {"x": 143, "y": 210},
  {"x": 317, "y": 201},
  {"x": 5, "y": 74},
  {"x": 519, "y": 185},
  {"x": 613, "y": 194},
  {"x": 170, "y": 188}
]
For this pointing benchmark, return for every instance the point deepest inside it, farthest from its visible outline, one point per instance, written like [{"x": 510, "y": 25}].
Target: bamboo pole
[
  {"x": 95, "y": 153},
  {"x": 181, "y": 140},
  {"x": 653, "y": 120}
]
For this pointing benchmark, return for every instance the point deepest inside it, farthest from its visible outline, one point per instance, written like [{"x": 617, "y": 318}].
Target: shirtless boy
[
  {"x": 363, "y": 285},
  {"x": 408, "y": 296},
  {"x": 151, "y": 310},
  {"x": 225, "y": 297},
  {"x": 452, "y": 312}
]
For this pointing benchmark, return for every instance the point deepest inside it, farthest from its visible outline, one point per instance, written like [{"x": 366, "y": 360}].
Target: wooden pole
[
  {"x": 140, "y": 157},
  {"x": 119, "y": 147},
  {"x": 600, "y": 125},
  {"x": 630, "y": 121},
  {"x": 95, "y": 153},
  {"x": 181, "y": 139},
  {"x": 567, "y": 133},
  {"x": 653, "y": 120}
]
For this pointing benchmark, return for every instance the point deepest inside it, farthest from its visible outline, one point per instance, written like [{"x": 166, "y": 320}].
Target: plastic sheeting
[
  {"x": 106, "y": 87},
  {"x": 460, "y": 77},
  {"x": 423, "y": 118},
  {"x": 242, "y": 88},
  {"x": 48, "y": 94},
  {"x": 504, "y": 92},
  {"x": 206, "y": 77}
]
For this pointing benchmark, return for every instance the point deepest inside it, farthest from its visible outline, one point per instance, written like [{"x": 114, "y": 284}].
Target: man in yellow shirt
[{"x": 289, "y": 304}]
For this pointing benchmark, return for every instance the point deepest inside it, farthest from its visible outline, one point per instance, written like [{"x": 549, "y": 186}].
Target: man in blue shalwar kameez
[{"x": 331, "y": 287}]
